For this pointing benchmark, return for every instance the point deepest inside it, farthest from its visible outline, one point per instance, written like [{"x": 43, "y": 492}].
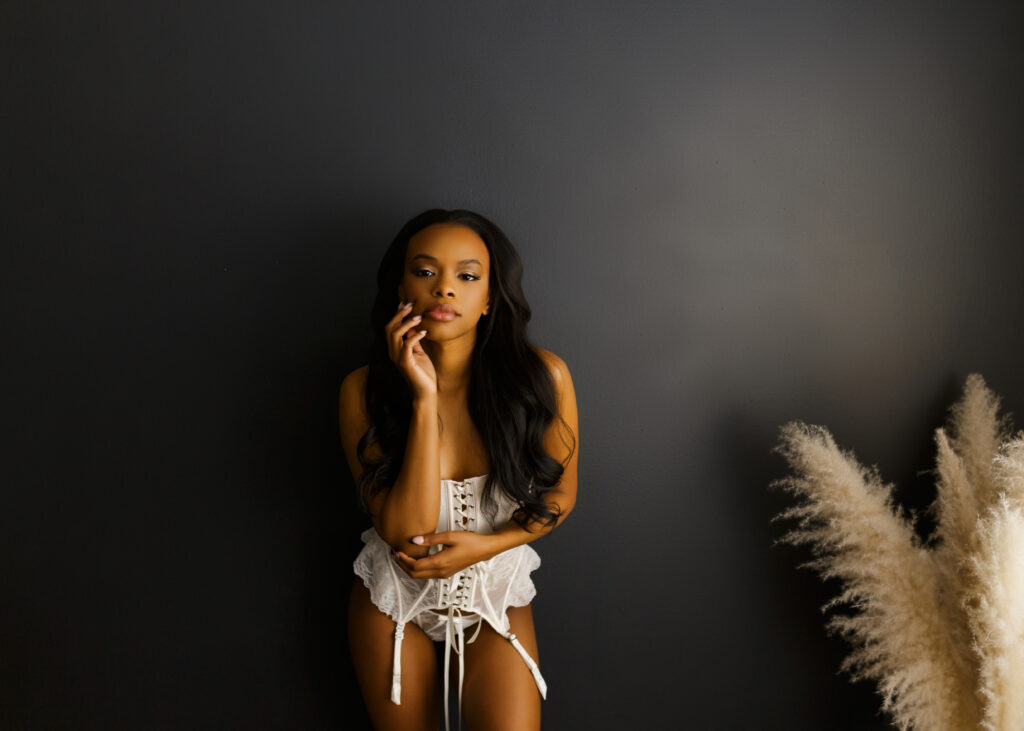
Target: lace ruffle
[{"x": 505, "y": 578}]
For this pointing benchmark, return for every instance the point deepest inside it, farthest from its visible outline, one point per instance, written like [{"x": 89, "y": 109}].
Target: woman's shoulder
[
  {"x": 357, "y": 376},
  {"x": 353, "y": 389},
  {"x": 556, "y": 366}
]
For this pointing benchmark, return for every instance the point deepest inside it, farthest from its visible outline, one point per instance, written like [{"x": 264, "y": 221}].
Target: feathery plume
[
  {"x": 978, "y": 430},
  {"x": 997, "y": 617},
  {"x": 939, "y": 628}
]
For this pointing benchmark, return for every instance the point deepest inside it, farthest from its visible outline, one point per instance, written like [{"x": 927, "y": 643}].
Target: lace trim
[
  {"x": 505, "y": 570},
  {"x": 498, "y": 583}
]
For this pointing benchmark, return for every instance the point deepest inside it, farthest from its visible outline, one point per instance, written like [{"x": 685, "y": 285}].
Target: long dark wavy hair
[{"x": 511, "y": 396}]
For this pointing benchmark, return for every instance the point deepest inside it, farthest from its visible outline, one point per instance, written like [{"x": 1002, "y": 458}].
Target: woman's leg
[
  {"x": 371, "y": 637},
  {"x": 499, "y": 692}
]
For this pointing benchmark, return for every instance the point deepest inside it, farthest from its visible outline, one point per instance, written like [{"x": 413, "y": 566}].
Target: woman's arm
[
  {"x": 410, "y": 506},
  {"x": 464, "y": 548}
]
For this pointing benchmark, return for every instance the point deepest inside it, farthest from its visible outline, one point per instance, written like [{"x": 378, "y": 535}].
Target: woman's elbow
[
  {"x": 389, "y": 530},
  {"x": 562, "y": 510},
  {"x": 399, "y": 533}
]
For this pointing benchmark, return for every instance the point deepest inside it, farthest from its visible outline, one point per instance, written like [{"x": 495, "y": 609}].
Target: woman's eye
[{"x": 427, "y": 273}]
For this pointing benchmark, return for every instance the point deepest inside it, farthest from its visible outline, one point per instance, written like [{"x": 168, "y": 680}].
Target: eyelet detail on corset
[
  {"x": 463, "y": 507},
  {"x": 457, "y": 590}
]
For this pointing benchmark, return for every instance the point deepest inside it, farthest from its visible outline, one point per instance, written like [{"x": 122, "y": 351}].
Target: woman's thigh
[
  {"x": 371, "y": 637},
  {"x": 499, "y": 691}
]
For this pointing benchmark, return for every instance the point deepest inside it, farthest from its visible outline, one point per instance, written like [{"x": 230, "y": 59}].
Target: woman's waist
[
  {"x": 445, "y": 612},
  {"x": 496, "y": 569},
  {"x": 370, "y": 535}
]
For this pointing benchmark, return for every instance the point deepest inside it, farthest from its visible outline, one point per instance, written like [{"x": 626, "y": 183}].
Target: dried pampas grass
[{"x": 940, "y": 626}]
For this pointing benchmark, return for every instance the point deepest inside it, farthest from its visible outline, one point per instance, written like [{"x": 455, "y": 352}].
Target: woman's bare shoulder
[
  {"x": 351, "y": 399},
  {"x": 357, "y": 378},
  {"x": 559, "y": 370}
]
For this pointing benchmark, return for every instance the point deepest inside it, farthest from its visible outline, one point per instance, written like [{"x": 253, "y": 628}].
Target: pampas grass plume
[{"x": 939, "y": 627}]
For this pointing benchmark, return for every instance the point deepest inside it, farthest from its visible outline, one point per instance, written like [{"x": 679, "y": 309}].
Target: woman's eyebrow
[{"x": 428, "y": 257}]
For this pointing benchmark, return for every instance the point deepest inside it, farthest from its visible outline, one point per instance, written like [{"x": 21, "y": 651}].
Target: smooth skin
[{"x": 445, "y": 264}]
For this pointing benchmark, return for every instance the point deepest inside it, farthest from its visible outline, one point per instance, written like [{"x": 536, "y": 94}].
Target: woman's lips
[{"x": 440, "y": 315}]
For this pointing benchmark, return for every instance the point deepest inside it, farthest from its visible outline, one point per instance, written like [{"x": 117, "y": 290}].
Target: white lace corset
[
  {"x": 461, "y": 510},
  {"x": 443, "y": 608}
]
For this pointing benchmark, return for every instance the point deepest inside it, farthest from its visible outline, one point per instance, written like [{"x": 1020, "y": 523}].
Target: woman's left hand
[{"x": 461, "y": 549}]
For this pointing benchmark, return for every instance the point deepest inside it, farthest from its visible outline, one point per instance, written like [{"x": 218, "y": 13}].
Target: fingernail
[
  {"x": 417, "y": 317},
  {"x": 418, "y": 540}
]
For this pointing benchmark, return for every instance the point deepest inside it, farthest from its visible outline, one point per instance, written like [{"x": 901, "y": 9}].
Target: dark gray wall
[{"x": 731, "y": 215}]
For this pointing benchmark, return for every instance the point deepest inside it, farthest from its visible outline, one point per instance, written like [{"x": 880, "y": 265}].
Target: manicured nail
[
  {"x": 418, "y": 540},
  {"x": 415, "y": 318}
]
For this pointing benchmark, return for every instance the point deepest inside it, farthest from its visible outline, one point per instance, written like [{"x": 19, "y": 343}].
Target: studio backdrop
[{"x": 730, "y": 215}]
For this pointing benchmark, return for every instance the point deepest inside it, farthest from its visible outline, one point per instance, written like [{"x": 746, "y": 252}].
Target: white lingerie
[{"x": 484, "y": 590}]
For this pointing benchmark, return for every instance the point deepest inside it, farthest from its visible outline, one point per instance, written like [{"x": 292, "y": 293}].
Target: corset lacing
[{"x": 456, "y": 592}]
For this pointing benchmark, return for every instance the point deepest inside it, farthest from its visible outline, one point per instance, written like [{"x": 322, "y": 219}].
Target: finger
[
  {"x": 404, "y": 337},
  {"x": 407, "y": 569},
  {"x": 427, "y": 563},
  {"x": 411, "y": 323},
  {"x": 403, "y": 560},
  {"x": 418, "y": 568},
  {"x": 417, "y": 346},
  {"x": 412, "y": 340},
  {"x": 411, "y": 572},
  {"x": 404, "y": 309},
  {"x": 423, "y": 569},
  {"x": 403, "y": 306},
  {"x": 396, "y": 333},
  {"x": 433, "y": 539},
  {"x": 392, "y": 342},
  {"x": 398, "y": 319}
]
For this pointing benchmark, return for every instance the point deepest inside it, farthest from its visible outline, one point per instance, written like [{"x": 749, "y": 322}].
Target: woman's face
[{"x": 447, "y": 278}]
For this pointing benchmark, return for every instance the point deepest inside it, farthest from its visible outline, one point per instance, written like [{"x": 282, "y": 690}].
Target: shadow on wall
[{"x": 318, "y": 339}]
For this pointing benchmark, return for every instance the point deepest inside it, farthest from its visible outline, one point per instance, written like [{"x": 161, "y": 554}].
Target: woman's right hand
[{"x": 408, "y": 355}]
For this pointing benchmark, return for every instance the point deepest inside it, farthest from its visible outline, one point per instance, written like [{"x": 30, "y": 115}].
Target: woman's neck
[{"x": 451, "y": 359}]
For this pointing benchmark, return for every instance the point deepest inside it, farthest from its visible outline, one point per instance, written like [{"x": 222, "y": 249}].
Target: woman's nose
[{"x": 444, "y": 288}]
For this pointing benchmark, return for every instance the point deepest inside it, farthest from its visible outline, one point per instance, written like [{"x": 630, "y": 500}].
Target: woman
[{"x": 462, "y": 439}]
